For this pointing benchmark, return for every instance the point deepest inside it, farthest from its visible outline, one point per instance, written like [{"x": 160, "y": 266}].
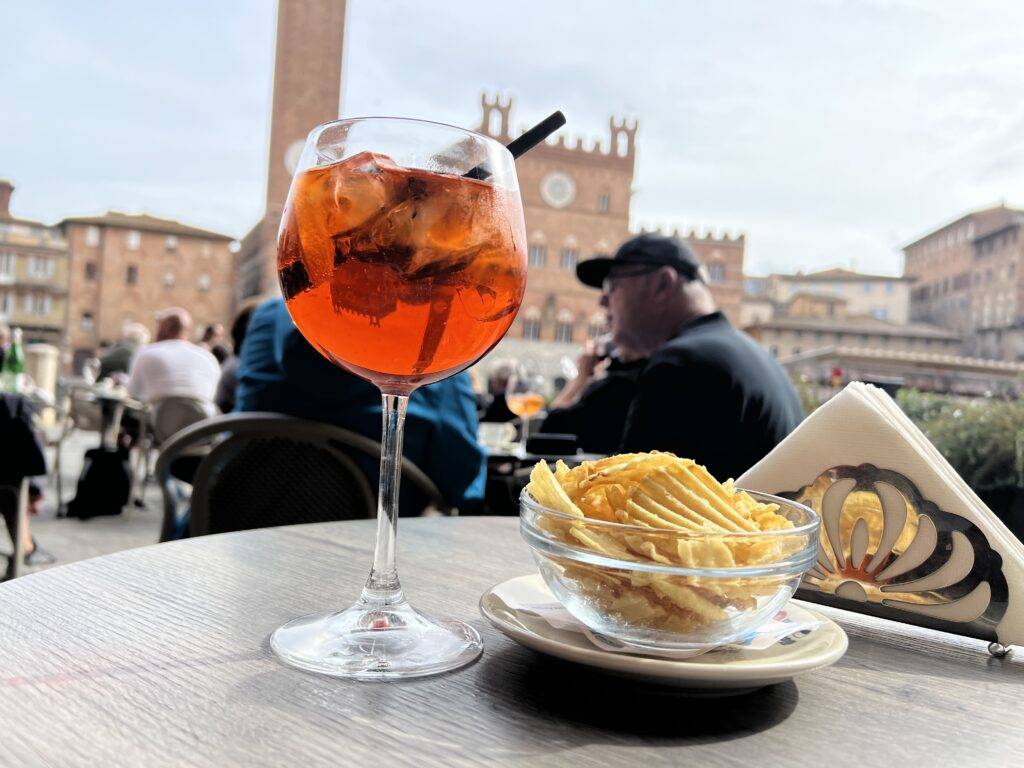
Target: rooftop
[
  {"x": 985, "y": 220},
  {"x": 901, "y": 356},
  {"x": 857, "y": 324},
  {"x": 144, "y": 222},
  {"x": 840, "y": 275}
]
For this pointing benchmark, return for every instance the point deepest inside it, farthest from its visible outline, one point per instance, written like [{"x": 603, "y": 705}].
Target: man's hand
[{"x": 587, "y": 362}]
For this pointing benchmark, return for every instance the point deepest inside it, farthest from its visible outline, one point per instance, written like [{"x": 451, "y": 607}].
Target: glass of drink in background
[
  {"x": 398, "y": 267},
  {"x": 525, "y": 396}
]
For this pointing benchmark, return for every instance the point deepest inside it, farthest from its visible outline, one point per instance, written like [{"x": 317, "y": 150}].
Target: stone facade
[
  {"x": 882, "y": 296},
  {"x": 576, "y": 203},
  {"x": 125, "y": 268},
  {"x": 33, "y": 275},
  {"x": 307, "y": 92},
  {"x": 950, "y": 272},
  {"x": 787, "y": 337},
  {"x": 997, "y": 293}
]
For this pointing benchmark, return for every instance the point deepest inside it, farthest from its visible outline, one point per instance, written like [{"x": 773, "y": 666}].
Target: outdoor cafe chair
[{"x": 268, "y": 469}]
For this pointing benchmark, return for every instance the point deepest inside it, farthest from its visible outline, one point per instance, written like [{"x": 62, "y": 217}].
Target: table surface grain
[{"x": 159, "y": 656}]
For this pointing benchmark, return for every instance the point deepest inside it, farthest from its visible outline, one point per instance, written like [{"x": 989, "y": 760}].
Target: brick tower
[
  {"x": 576, "y": 203},
  {"x": 307, "y": 92}
]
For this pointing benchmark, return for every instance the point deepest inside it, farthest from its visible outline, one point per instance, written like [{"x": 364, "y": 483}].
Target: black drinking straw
[{"x": 524, "y": 143}]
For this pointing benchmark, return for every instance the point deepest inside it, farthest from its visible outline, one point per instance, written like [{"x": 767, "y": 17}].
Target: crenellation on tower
[
  {"x": 495, "y": 114},
  {"x": 623, "y": 136}
]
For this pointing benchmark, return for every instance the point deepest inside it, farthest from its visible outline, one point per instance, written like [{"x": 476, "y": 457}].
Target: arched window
[
  {"x": 564, "y": 326},
  {"x": 531, "y": 323}
]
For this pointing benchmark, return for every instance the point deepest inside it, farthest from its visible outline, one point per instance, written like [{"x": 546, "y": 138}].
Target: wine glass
[
  {"x": 401, "y": 269},
  {"x": 525, "y": 395}
]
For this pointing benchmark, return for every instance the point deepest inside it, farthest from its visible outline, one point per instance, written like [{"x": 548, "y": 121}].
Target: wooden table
[{"x": 158, "y": 656}]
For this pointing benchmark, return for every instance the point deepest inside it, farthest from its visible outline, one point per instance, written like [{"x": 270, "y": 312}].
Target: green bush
[{"x": 983, "y": 439}]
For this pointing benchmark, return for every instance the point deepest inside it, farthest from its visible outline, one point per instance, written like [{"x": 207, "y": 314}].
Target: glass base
[{"x": 370, "y": 643}]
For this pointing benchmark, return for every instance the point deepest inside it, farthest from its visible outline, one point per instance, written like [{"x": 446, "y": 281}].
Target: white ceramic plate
[{"x": 727, "y": 671}]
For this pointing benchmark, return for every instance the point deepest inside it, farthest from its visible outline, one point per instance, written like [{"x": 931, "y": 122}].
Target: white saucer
[{"x": 727, "y": 670}]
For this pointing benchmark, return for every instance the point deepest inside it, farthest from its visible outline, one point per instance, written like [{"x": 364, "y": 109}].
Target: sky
[{"x": 831, "y": 132}]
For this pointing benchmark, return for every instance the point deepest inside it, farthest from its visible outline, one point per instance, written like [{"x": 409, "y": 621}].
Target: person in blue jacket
[{"x": 281, "y": 372}]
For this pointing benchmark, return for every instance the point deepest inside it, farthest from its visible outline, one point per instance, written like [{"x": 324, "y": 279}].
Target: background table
[{"x": 159, "y": 656}]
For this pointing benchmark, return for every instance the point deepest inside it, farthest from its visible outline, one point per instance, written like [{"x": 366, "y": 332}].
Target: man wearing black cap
[{"x": 707, "y": 392}]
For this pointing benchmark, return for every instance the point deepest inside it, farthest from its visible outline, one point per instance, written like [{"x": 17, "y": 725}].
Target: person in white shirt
[{"x": 172, "y": 366}]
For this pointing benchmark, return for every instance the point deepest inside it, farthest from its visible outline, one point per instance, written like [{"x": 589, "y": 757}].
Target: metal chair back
[{"x": 269, "y": 469}]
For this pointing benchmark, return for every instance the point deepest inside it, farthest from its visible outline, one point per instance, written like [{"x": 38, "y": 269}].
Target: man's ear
[{"x": 665, "y": 283}]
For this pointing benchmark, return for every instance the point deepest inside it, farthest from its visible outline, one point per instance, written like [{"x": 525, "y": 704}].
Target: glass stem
[{"x": 382, "y": 587}]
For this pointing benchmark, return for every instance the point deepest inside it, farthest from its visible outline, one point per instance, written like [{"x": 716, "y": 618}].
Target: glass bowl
[{"x": 732, "y": 583}]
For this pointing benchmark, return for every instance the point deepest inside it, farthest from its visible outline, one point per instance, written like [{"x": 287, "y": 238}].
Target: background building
[
  {"x": 576, "y": 203},
  {"x": 307, "y": 92},
  {"x": 788, "y": 336},
  {"x": 997, "y": 293},
  {"x": 125, "y": 268},
  {"x": 881, "y": 296},
  {"x": 953, "y": 277},
  {"x": 33, "y": 275}
]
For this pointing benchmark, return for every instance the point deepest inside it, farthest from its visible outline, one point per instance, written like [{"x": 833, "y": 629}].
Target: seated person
[
  {"x": 497, "y": 409},
  {"x": 173, "y": 366},
  {"x": 708, "y": 392},
  {"x": 280, "y": 371},
  {"x": 24, "y": 457},
  {"x": 593, "y": 406},
  {"x": 225, "y": 396},
  {"x": 117, "y": 358}
]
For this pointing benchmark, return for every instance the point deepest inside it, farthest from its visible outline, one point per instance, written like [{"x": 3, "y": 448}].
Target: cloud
[{"x": 827, "y": 131}]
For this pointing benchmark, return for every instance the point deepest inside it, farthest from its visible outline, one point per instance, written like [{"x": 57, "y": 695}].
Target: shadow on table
[{"x": 561, "y": 692}]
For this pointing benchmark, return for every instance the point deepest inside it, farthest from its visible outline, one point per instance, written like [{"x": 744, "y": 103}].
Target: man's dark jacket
[{"x": 713, "y": 395}]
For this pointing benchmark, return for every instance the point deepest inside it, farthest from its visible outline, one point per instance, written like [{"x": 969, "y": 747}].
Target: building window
[
  {"x": 868, "y": 287},
  {"x": 171, "y": 243},
  {"x": 882, "y": 313},
  {"x": 602, "y": 202},
  {"x": 537, "y": 256},
  {"x": 42, "y": 303},
  {"x": 568, "y": 258},
  {"x": 716, "y": 273},
  {"x": 40, "y": 266},
  {"x": 86, "y": 321},
  {"x": 90, "y": 270},
  {"x": 92, "y": 236},
  {"x": 203, "y": 282},
  {"x": 531, "y": 329},
  {"x": 168, "y": 279},
  {"x": 7, "y": 264},
  {"x": 890, "y": 287},
  {"x": 131, "y": 275},
  {"x": 132, "y": 240},
  {"x": 7, "y": 304},
  {"x": 207, "y": 249},
  {"x": 563, "y": 331}
]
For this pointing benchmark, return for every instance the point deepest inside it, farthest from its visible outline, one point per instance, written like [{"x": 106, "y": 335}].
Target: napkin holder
[{"x": 887, "y": 551}]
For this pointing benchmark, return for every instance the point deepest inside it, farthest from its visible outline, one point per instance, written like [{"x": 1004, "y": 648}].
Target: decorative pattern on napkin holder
[
  {"x": 887, "y": 551},
  {"x": 945, "y": 561}
]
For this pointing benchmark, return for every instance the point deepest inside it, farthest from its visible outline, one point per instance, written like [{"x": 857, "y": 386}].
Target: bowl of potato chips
[{"x": 651, "y": 550}]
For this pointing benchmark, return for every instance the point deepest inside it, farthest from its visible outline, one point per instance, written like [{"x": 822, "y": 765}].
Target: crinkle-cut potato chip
[{"x": 683, "y": 512}]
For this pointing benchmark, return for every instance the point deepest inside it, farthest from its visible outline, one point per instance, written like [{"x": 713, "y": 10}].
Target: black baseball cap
[{"x": 647, "y": 249}]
